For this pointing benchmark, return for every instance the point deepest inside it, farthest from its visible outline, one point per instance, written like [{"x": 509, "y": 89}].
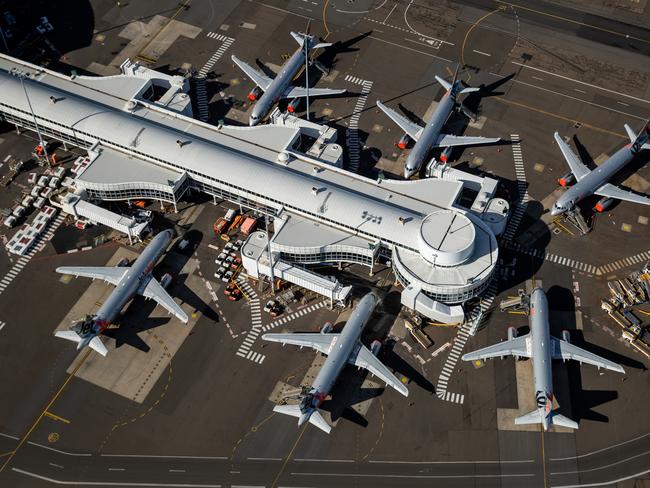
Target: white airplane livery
[
  {"x": 341, "y": 349},
  {"x": 128, "y": 282},
  {"x": 596, "y": 182},
  {"x": 280, "y": 87},
  {"x": 542, "y": 348},
  {"x": 430, "y": 136}
]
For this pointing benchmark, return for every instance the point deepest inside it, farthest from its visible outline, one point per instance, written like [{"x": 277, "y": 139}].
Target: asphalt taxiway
[{"x": 208, "y": 420}]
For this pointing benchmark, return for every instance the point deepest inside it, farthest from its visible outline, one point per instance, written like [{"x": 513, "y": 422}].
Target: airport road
[{"x": 607, "y": 465}]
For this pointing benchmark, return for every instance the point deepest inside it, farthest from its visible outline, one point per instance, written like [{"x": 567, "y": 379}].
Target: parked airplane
[
  {"x": 280, "y": 86},
  {"x": 596, "y": 181},
  {"x": 429, "y": 137},
  {"x": 340, "y": 349},
  {"x": 539, "y": 345},
  {"x": 128, "y": 282}
]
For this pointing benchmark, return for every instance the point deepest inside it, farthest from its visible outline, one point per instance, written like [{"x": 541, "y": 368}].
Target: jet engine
[
  {"x": 327, "y": 328},
  {"x": 566, "y": 180},
  {"x": 375, "y": 347},
  {"x": 293, "y": 105},
  {"x": 603, "y": 204},
  {"x": 254, "y": 93},
  {"x": 445, "y": 154},
  {"x": 566, "y": 336},
  {"x": 166, "y": 280},
  {"x": 403, "y": 142}
]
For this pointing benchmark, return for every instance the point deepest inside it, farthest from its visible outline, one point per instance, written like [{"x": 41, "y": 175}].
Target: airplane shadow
[{"x": 583, "y": 402}]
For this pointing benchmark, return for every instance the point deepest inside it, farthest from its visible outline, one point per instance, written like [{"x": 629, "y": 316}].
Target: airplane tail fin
[
  {"x": 314, "y": 418},
  {"x": 640, "y": 141}
]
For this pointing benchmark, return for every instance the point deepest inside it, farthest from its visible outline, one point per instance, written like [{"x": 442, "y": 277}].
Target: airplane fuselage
[
  {"x": 342, "y": 348},
  {"x": 429, "y": 136},
  {"x": 279, "y": 85},
  {"x": 136, "y": 276},
  {"x": 593, "y": 180},
  {"x": 541, "y": 345}
]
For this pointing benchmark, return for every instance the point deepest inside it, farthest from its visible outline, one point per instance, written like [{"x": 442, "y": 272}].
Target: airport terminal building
[{"x": 145, "y": 145}]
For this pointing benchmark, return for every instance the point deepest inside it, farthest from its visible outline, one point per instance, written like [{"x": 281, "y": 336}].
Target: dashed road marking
[
  {"x": 38, "y": 245},
  {"x": 352, "y": 134},
  {"x": 200, "y": 87},
  {"x": 522, "y": 190}
]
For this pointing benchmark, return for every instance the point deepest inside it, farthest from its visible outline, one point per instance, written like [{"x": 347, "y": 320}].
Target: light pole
[
  {"x": 306, "y": 43},
  {"x": 21, "y": 77}
]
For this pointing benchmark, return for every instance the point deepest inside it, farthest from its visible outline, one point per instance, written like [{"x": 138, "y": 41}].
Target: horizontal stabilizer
[
  {"x": 469, "y": 89},
  {"x": 316, "y": 419},
  {"x": 529, "y": 418},
  {"x": 535, "y": 417},
  {"x": 321, "y": 45},
  {"x": 69, "y": 335},
  {"x": 445, "y": 84},
  {"x": 630, "y": 132},
  {"x": 557, "y": 419},
  {"x": 97, "y": 345}
]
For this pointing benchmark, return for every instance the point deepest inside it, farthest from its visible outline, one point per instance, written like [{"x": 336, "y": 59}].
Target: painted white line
[
  {"x": 263, "y": 459},
  {"x": 59, "y": 451},
  {"x": 481, "y": 53},
  {"x": 582, "y": 82},
  {"x": 155, "y": 456},
  {"x": 579, "y": 91},
  {"x": 56, "y": 465},
  {"x": 116, "y": 469},
  {"x": 324, "y": 460},
  {"x": 111, "y": 483}
]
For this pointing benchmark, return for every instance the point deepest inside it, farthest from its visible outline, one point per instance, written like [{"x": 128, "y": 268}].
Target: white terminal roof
[
  {"x": 243, "y": 157},
  {"x": 113, "y": 167}
]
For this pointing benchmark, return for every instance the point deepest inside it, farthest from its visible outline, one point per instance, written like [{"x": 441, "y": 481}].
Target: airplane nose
[{"x": 408, "y": 173}]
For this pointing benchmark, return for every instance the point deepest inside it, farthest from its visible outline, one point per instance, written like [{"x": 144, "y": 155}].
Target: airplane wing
[
  {"x": 446, "y": 140},
  {"x": 321, "y": 342},
  {"x": 611, "y": 191},
  {"x": 155, "y": 291},
  {"x": 110, "y": 274},
  {"x": 578, "y": 168},
  {"x": 367, "y": 360},
  {"x": 411, "y": 128},
  {"x": 97, "y": 345},
  {"x": 258, "y": 78},
  {"x": 565, "y": 350},
  {"x": 519, "y": 346},
  {"x": 300, "y": 91}
]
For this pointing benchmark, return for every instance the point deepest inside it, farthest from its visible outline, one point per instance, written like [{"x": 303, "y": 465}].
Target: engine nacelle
[
  {"x": 603, "y": 204},
  {"x": 254, "y": 93},
  {"x": 512, "y": 333},
  {"x": 403, "y": 142},
  {"x": 124, "y": 262},
  {"x": 566, "y": 180},
  {"x": 445, "y": 155},
  {"x": 375, "y": 347},
  {"x": 327, "y": 328},
  {"x": 166, "y": 280},
  {"x": 293, "y": 105},
  {"x": 566, "y": 336}
]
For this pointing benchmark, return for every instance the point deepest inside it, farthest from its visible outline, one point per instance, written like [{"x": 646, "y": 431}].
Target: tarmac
[{"x": 204, "y": 417}]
